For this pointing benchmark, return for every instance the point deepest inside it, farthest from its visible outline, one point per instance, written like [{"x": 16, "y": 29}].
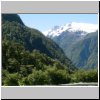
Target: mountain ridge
[
  {"x": 69, "y": 40},
  {"x": 11, "y": 18},
  {"x": 86, "y": 50},
  {"x": 30, "y": 58},
  {"x": 31, "y": 39},
  {"x": 83, "y": 28}
]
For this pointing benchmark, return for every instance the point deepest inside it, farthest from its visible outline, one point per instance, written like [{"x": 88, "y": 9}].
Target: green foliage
[
  {"x": 58, "y": 76},
  {"x": 13, "y": 65},
  {"x": 85, "y": 76},
  {"x": 25, "y": 70},
  {"x": 11, "y": 18},
  {"x": 38, "y": 78},
  {"x": 29, "y": 58},
  {"x": 14, "y": 31},
  {"x": 33, "y": 68},
  {"x": 11, "y": 79},
  {"x": 92, "y": 75}
]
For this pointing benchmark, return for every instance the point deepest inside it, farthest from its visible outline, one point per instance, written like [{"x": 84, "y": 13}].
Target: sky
[{"x": 43, "y": 22}]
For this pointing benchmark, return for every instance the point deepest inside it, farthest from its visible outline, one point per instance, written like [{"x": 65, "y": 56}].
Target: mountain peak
[
  {"x": 72, "y": 27},
  {"x": 12, "y": 17},
  {"x": 86, "y": 27}
]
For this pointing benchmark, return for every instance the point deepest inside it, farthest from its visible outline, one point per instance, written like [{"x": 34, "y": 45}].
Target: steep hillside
[
  {"x": 11, "y": 18},
  {"x": 66, "y": 39},
  {"x": 30, "y": 58},
  {"x": 20, "y": 67},
  {"x": 79, "y": 41},
  {"x": 13, "y": 30},
  {"x": 84, "y": 53}
]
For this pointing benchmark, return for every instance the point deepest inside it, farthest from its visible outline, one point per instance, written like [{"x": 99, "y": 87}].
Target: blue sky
[{"x": 44, "y": 22}]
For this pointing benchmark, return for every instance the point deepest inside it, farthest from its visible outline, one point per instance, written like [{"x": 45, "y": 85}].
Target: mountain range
[
  {"x": 82, "y": 28},
  {"x": 75, "y": 39},
  {"x": 30, "y": 58}
]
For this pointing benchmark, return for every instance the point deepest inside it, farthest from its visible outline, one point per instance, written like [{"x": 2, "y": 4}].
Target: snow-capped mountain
[
  {"x": 79, "y": 41},
  {"x": 84, "y": 29}
]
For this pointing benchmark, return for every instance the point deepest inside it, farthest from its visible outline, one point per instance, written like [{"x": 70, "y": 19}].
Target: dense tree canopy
[{"x": 29, "y": 58}]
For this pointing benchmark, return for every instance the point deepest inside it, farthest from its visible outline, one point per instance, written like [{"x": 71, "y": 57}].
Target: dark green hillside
[
  {"x": 20, "y": 67},
  {"x": 30, "y": 58},
  {"x": 11, "y": 18},
  {"x": 31, "y": 38}
]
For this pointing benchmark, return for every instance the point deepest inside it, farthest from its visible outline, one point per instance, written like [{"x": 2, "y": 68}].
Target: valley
[
  {"x": 31, "y": 58},
  {"x": 79, "y": 42}
]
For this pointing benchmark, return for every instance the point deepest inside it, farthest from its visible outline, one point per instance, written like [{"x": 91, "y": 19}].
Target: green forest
[{"x": 30, "y": 58}]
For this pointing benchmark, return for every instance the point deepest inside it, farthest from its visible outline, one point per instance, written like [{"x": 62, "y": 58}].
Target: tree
[
  {"x": 85, "y": 76},
  {"x": 38, "y": 78},
  {"x": 13, "y": 65},
  {"x": 11, "y": 80},
  {"x": 58, "y": 76}
]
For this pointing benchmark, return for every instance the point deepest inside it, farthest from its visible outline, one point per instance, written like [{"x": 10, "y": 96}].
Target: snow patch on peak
[
  {"x": 83, "y": 27},
  {"x": 71, "y": 27}
]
